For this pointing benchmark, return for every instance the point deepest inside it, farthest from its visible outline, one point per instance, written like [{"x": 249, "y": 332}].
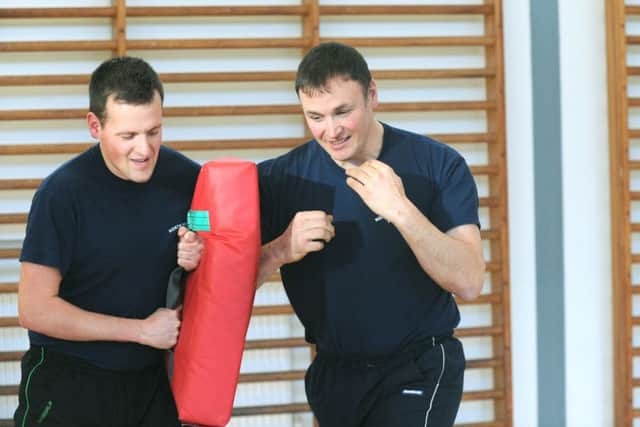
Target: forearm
[
  {"x": 454, "y": 264},
  {"x": 269, "y": 262},
  {"x": 57, "y": 318}
]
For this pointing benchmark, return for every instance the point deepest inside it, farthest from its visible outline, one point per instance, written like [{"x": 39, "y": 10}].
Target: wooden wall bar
[
  {"x": 623, "y": 41},
  {"x": 311, "y": 14}
]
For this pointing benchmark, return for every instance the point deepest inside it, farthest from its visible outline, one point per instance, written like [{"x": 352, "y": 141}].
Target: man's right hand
[
  {"x": 308, "y": 231},
  {"x": 160, "y": 330}
]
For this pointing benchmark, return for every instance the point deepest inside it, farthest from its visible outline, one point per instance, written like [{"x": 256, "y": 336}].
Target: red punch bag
[{"x": 219, "y": 293}]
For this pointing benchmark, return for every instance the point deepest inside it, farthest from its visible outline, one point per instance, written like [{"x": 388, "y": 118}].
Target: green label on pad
[{"x": 198, "y": 220}]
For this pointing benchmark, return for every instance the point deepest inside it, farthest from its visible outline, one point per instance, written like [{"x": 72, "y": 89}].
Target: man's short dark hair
[
  {"x": 130, "y": 80},
  {"x": 328, "y": 60}
]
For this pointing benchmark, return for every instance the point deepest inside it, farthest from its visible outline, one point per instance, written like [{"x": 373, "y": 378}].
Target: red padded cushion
[{"x": 219, "y": 294}]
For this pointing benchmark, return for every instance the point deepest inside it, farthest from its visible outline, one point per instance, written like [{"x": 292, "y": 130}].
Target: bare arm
[
  {"x": 41, "y": 309},
  {"x": 307, "y": 232},
  {"x": 453, "y": 259}
]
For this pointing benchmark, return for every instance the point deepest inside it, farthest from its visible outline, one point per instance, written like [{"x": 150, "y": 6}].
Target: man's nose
[{"x": 333, "y": 128}]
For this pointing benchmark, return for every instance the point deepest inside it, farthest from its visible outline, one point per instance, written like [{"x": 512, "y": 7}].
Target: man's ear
[
  {"x": 373, "y": 94},
  {"x": 94, "y": 126}
]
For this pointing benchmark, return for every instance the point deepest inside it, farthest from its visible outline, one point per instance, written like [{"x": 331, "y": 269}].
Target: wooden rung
[
  {"x": 633, "y": 133},
  {"x": 11, "y": 356},
  {"x": 9, "y": 253},
  {"x": 271, "y": 376},
  {"x": 490, "y": 234},
  {"x": 20, "y": 184},
  {"x": 58, "y": 46},
  {"x": 483, "y": 395},
  {"x": 299, "y": 374},
  {"x": 271, "y": 310},
  {"x": 632, "y": 10},
  {"x": 8, "y": 390},
  {"x": 44, "y": 80},
  {"x": 221, "y": 144},
  {"x": 634, "y": 102},
  {"x": 633, "y": 71},
  {"x": 635, "y": 258},
  {"x": 285, "y": 309},
  {"x": 13, "y": 218},
  {"x": 465, "y": 138},
  {"x": 433, "y": 73},
  {"x": 633, "y": 40},
  {"x": 485, "y": 170},
  {"x": 493, "y": 266},
  {"x": 414, "y": 41},
  {"x": 263, "y": 344},
  {"x": 224, "y": 11},
  {"x": 263, "y": 43},
  {"x": 275, "y": 277},
  {"x": 243, "y": 411},
  {"x": 478, "y": 331},
  {"x": 405, "y": 107},
  {"x": 235, "y": 144},
  {"x": 493, "y": 298},
  {"x": 249, "y": 110},
  {"x": 248, "y": 76},
  {"x": 490, "y": 202},
  {"x": 58, "y": 12},
  {"x": 9, "y": 322},
  {"x": 8, "y": 288},
  {"x": 635, "y": 195},
  {"x": 635, "y": 320},
  {"x": 408, "y": 10},
  {"x": 199, "y": 11},
  {"x": 483, "y": 424},
  {"x": 483, "y": 363},
  {"x": 193, "y": 145}
]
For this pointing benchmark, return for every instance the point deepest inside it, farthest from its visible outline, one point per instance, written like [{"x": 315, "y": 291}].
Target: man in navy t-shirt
[
  {"x": 99, "y": 247},
  {"x": 373, "y": 229}
]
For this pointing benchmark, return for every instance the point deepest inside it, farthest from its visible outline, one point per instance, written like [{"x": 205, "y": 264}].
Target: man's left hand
[
  {"x": 379, "y": 187},
  {"x": 190, "y": 248}
]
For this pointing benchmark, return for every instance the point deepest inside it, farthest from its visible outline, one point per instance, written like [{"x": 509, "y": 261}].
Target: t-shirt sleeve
[
  {"x": 267, "y": 206},
  {"x": 457, "y": 200},
  {"x": 49, "y": 233}
]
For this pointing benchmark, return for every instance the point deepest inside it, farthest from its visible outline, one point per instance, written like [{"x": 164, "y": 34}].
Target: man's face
[
  {"x": 341, "y": 119},
  {"x": 130, "y": 138}
]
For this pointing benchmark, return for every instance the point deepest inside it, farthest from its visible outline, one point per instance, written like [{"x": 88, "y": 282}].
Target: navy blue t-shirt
[
  {"x": 113, "y": 241},
  {"x": 365, "y": 293}
]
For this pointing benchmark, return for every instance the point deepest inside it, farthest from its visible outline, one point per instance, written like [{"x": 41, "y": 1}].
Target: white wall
[
  {"x": 517, "y": 43},
  {"x": 587, "y": 218}
]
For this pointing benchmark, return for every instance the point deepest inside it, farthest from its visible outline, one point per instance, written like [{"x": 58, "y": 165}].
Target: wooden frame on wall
[{"x": 311, "y": 13}]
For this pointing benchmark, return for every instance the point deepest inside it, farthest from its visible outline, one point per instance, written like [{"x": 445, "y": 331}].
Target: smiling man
[
  {"x": 99, "y": 247},
  {"x": 374, "y": 230}
]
